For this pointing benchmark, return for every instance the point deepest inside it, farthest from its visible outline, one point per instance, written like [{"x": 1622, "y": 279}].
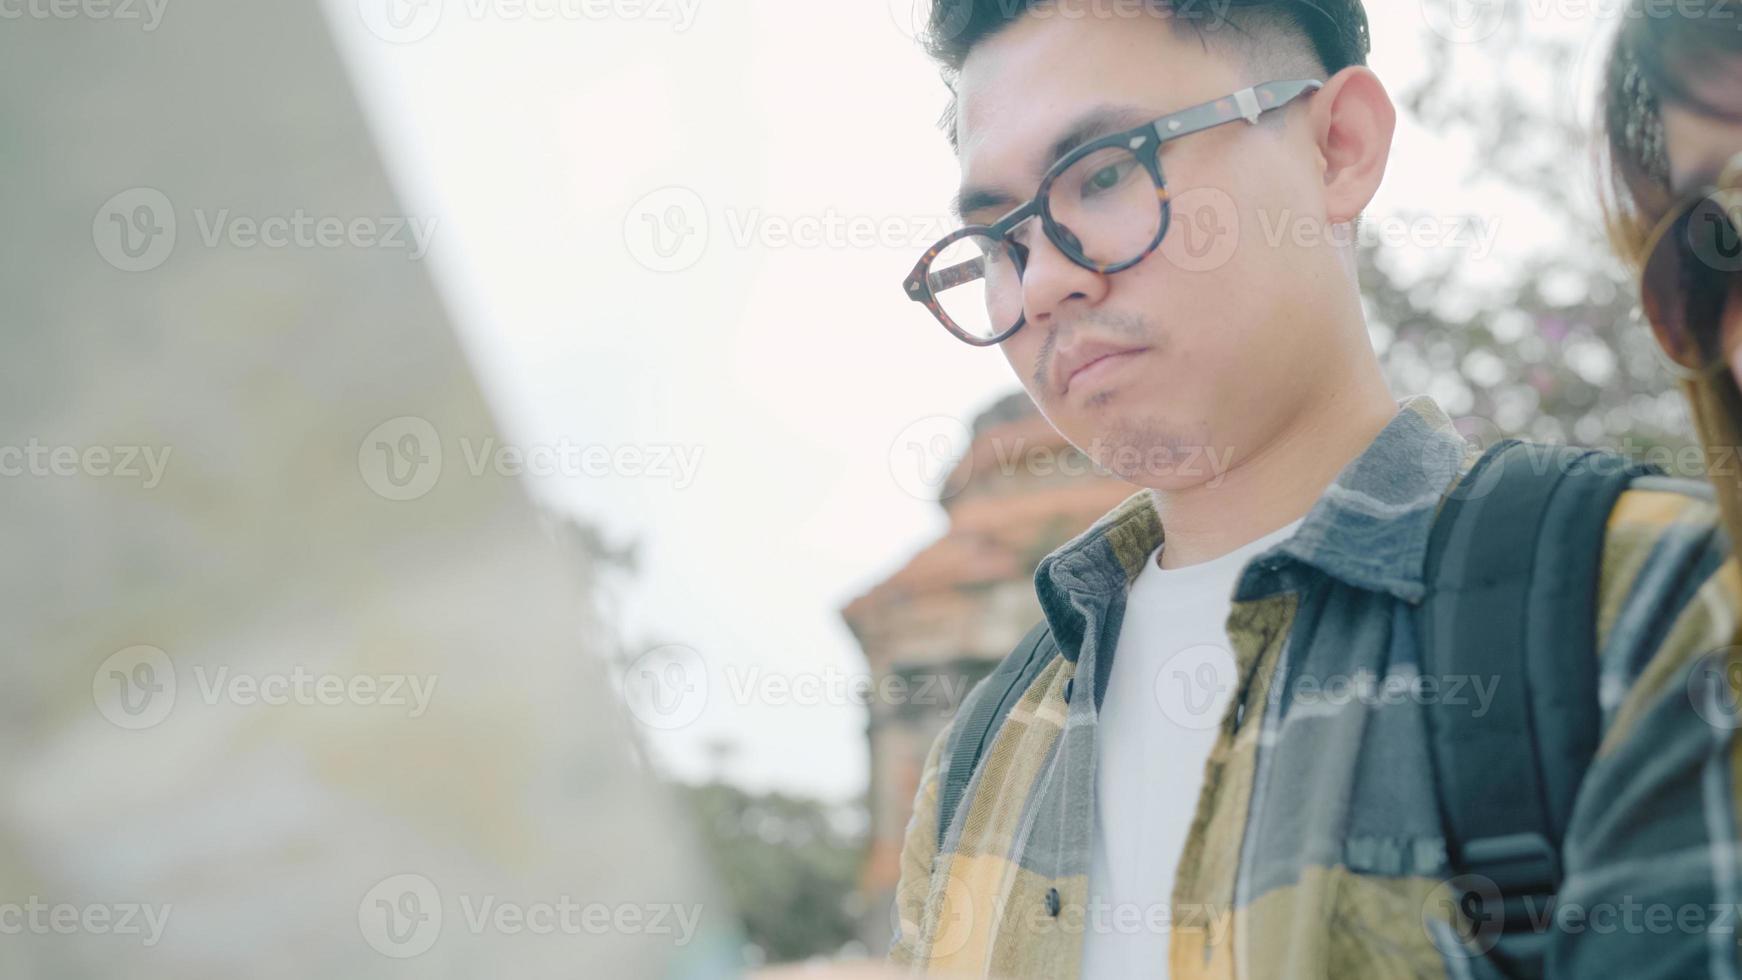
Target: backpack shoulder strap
[
  {"x": 974, "y": 731},
  {"x": 1512, "y": 575}
]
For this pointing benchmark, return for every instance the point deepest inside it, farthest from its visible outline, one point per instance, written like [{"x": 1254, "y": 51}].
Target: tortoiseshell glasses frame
[{"x": 1144, "y": 142}]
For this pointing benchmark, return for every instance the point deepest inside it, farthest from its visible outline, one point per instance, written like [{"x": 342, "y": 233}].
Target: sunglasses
[{"x": 1692, "y": 260}]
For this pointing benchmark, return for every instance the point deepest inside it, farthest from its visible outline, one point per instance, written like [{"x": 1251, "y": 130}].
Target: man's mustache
[{"x": 1110, "y": 325}]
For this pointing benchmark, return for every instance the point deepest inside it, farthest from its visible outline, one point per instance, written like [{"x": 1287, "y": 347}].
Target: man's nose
[{"x": 1050, "y": 279}]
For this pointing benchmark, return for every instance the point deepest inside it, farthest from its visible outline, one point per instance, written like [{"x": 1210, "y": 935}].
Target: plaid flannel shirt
[{"x": 1317, "y": 848}]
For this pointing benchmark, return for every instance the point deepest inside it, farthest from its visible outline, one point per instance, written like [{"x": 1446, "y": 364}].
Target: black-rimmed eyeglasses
[{"x": 1105, "y": 205}]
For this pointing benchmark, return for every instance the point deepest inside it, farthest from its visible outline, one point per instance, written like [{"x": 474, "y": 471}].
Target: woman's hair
[{"x": 1658, "y": 58}]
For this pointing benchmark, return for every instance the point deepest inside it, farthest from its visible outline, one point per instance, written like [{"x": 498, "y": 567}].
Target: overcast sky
[{"x": 679, "y": 226}]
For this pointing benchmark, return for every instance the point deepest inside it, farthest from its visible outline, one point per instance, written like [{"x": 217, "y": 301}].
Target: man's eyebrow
[
  {"x": 972, "y": 200},
  {"x": 1090, "y": 125}
]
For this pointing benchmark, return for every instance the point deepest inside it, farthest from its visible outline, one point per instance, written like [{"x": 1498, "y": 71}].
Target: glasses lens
[
  {"x": 977, "y": 282},
  {"x": 1108, "y": 205},
  {"x": 1687, "y": 281}
]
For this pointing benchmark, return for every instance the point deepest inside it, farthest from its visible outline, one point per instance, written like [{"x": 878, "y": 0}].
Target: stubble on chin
[{"x": 1142, "y": 453}]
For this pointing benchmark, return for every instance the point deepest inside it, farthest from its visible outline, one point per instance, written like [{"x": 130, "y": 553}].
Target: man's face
[{"x": 1226, "y": 317}]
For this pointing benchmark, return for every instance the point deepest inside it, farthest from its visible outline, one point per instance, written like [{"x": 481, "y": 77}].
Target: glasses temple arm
[
  {"x": 956, "y": 275},
  {"x": 1247, "y": 104}
]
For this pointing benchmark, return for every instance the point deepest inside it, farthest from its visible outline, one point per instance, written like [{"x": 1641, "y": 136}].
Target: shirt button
[
  {"x": 1052, "y": 902},
  {"x": 1070, "y": 682}
]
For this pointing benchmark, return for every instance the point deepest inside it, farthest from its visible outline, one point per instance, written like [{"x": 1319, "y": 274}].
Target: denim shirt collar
[{"x": 1368, "y": 530}]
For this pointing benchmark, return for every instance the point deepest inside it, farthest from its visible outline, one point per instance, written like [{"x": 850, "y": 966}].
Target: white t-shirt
[{"x": 1172, "y": 676}]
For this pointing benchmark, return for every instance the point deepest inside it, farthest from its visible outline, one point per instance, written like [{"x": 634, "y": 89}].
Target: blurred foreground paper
[{"x": 290, "y": 689}]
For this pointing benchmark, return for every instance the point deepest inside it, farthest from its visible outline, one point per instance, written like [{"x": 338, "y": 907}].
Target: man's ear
[{"x": 1353, "y": 120}]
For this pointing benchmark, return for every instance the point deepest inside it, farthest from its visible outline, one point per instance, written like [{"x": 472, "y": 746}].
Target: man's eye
[{"x": 1108, "y": 177}]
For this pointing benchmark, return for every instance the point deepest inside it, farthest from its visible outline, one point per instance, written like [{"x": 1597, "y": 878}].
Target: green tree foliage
[
  {"x": 790, "y": 867},
  {"x": 1552, "y": 349}
]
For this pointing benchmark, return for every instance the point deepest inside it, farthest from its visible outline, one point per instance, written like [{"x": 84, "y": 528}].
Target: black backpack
[{"x": 1512, "y": 574}]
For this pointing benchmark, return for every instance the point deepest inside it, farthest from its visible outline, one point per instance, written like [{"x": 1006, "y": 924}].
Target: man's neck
[{"x": 1279, "y": 483}]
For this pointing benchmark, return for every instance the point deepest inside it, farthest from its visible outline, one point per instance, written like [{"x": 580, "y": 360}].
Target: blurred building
[{"x": 947, "y": 617}]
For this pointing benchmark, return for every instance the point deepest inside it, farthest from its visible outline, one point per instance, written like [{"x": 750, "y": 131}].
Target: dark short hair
[{"x": 1333, "y": 33}]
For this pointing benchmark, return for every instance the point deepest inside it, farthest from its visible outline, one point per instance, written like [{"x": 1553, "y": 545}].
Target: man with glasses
[{"x": 1338, "y": 722}]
